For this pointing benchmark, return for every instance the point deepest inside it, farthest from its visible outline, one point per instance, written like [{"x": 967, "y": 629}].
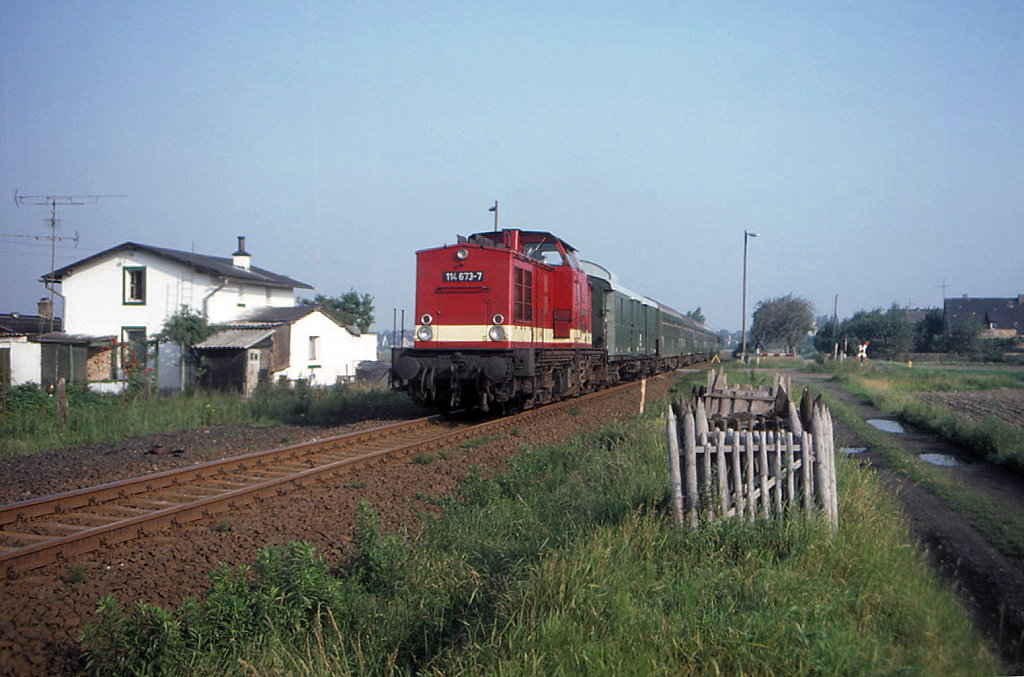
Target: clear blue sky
[{"x": 878, "y": 147}]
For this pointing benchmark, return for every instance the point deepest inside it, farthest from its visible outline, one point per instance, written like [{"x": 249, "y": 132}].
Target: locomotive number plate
[{"x": 462, "y": 276}]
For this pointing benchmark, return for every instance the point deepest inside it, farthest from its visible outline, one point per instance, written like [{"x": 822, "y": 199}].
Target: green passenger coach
[{"x": 639, "y": 332}]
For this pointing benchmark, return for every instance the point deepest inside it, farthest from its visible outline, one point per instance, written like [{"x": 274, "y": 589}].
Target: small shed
[
  {"x": 237, "y": 359},
  {"x": 301, "y": 343}
]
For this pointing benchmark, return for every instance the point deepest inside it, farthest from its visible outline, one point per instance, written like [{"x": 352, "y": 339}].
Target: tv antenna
[{"x": 53, "y": 201}]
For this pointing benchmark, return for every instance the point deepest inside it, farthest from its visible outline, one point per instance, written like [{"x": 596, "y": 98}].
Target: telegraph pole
[
  {"x": 495, "y": 210},
  {"x": 53, "y": 201}
]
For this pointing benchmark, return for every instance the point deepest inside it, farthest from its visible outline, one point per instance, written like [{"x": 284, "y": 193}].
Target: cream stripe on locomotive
[{"x": 461, "y": 333}]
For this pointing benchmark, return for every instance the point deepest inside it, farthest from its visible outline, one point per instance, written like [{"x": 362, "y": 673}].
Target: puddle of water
[
  {"x": 940, "y": 459},
  {"x": 886, "y": 425},
  {"x": 853, "y": 450}
]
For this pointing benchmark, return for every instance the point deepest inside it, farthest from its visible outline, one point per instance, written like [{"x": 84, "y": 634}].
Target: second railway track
[{"x": 40, "y": 531}]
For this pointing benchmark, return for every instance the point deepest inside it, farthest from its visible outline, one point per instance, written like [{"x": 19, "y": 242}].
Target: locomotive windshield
[{"x": 547, "y": 252}]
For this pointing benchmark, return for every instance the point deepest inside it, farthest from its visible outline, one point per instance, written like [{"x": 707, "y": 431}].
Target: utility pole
[
  {"x": 743, "y": 351},
  {"x": 495, "y": 210},
  {"x": 53, "y": 201},
  {"x": 835, "y": 328}
]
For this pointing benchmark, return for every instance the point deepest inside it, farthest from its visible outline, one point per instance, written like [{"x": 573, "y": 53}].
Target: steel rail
[
  {"x": 91, "y": 496},
  {"x": 46, "y": 548}
]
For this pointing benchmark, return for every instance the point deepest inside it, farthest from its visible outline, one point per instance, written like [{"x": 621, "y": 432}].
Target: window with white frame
[{"x": 314, "y": 347}]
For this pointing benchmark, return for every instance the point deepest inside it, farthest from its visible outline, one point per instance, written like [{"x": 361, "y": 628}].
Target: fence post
[
  {"x": 806, "y": 477},
  {"x": 62, "y": 401},
  {"x": 672, "y": 436},
  {"x": 690, "y": 468},
  {"x": 775, "y": 469},
  {"x": 830, "y": 452},
  {"x": 822, "y": 482},
  {"x": 702, "y": 418},
  {"x": 643, "y": 394},
  {"x": 737, "y": 478},
  {"x": 751, "y": 500},
  {"x": 790, "y": 473},
  {"x": 723, "y": 472},
  {"x": 762, "y": 462},
  {"x": 832, "y": 461}
]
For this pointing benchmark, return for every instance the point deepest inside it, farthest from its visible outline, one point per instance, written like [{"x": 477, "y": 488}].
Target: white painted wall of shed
[
  {"x": 339, "y": 351},
  {"x": 94, "y": 295},
  {"x": 25, "y": 360}
]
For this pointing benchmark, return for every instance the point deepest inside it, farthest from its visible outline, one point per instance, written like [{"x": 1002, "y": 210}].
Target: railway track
[{"x": 49, "y": 529}]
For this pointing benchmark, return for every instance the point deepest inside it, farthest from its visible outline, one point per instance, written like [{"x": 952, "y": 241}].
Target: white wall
[
  {"x": 235, "y": 299},
  {"x": 94, "y": 295},
  {"x": 25, "y": 360},
  {"x": 339, "y": 351}
]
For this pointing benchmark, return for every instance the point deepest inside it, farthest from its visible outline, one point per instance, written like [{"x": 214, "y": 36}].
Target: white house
[
  {"x": 130, "y": 290},
  {"x": 291, "y": 344},
  {"x": 134, "y": 288}
]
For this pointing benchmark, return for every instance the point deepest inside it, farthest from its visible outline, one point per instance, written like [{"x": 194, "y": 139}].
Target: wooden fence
[{"x": 750, "y": 452}]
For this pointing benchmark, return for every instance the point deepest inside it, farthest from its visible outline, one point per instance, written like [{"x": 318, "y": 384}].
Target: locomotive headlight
[
  {"x": 424, "y": 333},
  {"x": 498, "y": 318},
  {"x": 462, "y": 254},
  {"x": 426, "y": 318},
  {"x": 496, "y": 333}
]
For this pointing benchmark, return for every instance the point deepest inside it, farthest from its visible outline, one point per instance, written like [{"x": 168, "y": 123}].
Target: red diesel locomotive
[{"x": 512, "y": 318}]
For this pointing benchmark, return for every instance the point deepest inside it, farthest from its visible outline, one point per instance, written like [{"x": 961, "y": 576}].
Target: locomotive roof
[{"x": 529, "y": 235}]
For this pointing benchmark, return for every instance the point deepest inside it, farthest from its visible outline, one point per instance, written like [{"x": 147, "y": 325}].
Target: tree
[
  {"x": 891, "y": 334},
  {"x": 965, "y": 336},
  {"x": 697, "y": 315},
  {"x": 828, "y": 333},
  {"x": 784, "y": 320},
  {"x": 350, "y": 308},
  {"x": 928, "y": 332},
  {"x": 187, "y": 328}
]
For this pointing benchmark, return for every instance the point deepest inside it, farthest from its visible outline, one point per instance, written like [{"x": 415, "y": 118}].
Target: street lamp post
[{"x": 743, "y": 350}]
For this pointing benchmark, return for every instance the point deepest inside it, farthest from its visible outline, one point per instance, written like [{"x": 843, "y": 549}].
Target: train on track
[{"x": 512, "y": 319}]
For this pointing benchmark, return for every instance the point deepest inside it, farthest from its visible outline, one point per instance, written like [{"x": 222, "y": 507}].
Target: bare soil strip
[{"x": 1005, "y": 404}]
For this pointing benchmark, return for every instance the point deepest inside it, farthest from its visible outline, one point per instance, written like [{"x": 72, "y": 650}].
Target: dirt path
[{"x": 990, "y": 583}]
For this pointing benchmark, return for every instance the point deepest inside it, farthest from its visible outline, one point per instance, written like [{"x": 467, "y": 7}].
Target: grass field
[
  {"x": 892, "y": 389},
  {"x": 32, "y": 427},
  {"x": 564, "y": 565}
]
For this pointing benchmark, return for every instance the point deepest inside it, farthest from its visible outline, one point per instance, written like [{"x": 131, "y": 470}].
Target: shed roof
[
  {"x": 266, "y": 317},
  {"x": 71, "y": 339},
  {"x": 19, "y": 324},
  {"x": 235, "y": 338},
  {"x": 219, "y": 266}
]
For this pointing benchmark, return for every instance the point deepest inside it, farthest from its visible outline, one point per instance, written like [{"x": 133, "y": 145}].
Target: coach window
[
  {"x": 133, "y": 286},
  {"x": 522, "y": 307}
]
